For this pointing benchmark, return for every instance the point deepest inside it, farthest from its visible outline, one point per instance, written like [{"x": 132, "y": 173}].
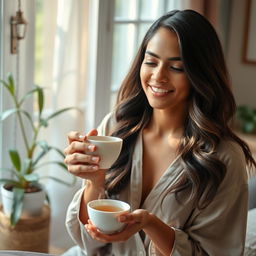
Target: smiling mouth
[{"x": 159, "y": 91}]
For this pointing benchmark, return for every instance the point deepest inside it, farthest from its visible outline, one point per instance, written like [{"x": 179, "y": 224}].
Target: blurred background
[{"x": 80, "y": 50}]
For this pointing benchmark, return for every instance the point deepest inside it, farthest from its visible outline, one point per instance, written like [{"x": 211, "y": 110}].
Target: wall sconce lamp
[{"x": 18, "y": 29}]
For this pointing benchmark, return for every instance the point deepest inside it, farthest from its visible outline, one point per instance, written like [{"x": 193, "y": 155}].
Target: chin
[{"x": 158, "y": 106}]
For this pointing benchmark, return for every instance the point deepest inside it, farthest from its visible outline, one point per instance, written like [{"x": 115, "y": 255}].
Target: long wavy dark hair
[{"x": 211, "y": 109}]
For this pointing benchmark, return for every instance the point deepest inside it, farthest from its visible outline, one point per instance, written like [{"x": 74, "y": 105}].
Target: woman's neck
[{"x": 166, "y": 123}]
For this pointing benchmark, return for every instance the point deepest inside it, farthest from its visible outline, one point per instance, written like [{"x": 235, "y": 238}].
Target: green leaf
[
  {"x": 15, "y": 158},
  {"x": 11, "y": 182},
  {"x": 32, "y": 177},
  {"x": 43, "y": 122},
  {"x": 27, "y": 95},
  {"x": 6, "y": 85},
  {"x": 248, "y": 127},
  {"x": 18, "y": 195},
  {"x": 61, "y": 164},
  {"x": 7, "y": 113},
  {"x": 29, "y": 118},
  {"x": 40, "y": 95},
  {"x": 45, "y": 149},
  {"x": 12, "y": 171},
  {"x": 11, "y": 84},
  {"x": 59, "y": 112},
  {"x": 39, "y": 157},
  {"x": 26, "y": 165},
  {"x": 44, "y": 145},
  {"x": 59, "y": 151}
]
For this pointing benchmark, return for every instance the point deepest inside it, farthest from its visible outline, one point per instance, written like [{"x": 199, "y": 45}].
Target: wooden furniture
[{"x": 22, "y": 253}]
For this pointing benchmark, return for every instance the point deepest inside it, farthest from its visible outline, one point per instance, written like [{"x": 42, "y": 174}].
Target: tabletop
[{"x": 22, "y": 253}]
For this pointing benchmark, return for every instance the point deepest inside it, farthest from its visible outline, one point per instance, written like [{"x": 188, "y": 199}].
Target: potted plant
[
  {"x": 24, "y": 182},
  {"x": 246, "y": 117}
]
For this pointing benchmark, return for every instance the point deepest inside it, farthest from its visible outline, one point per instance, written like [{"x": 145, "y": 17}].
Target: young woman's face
[{"x": 162, "y": 76}]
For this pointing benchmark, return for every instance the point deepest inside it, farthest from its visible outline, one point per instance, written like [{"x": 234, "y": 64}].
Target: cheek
[
  {"x": 143, "y": 76},
  {"x": 185, "y": 88}
]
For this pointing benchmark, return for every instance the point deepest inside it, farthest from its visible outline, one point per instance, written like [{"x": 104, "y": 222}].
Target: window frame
[{"x": 99, "y": 70}]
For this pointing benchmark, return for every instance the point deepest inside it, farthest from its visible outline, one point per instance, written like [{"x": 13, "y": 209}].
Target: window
[
  {"x": 121, "y": 27},
  {"x": 131, "y": 21},
  {"x": 1, "y": 75}
]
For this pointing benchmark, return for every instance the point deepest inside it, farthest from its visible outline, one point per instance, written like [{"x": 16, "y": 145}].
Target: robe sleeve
[
  {"x": 220, "y": 228},
  {"x": 74, "y": 226}
]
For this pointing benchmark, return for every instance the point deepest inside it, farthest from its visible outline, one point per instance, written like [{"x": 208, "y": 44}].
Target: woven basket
[{"x": 29, "y": 234}]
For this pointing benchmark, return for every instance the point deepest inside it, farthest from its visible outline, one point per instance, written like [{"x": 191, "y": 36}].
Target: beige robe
[{"x": 217, "y": 230}]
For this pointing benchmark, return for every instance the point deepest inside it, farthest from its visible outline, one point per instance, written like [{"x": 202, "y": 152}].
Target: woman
[{"x": 181, "y": 168}]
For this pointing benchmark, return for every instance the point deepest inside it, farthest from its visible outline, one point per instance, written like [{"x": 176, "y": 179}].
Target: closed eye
[
  {"x": 176, "y": 69},
  {"x": 150, "y": 63}
]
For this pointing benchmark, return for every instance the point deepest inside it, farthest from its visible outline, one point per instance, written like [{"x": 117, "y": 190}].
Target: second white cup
[{"x": 103, "y": 214}]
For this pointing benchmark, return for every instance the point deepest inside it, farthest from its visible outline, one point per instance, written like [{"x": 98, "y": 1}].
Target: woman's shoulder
[
  {"x": 231, "y": 154},
  {"x": 229, "y": 148}
]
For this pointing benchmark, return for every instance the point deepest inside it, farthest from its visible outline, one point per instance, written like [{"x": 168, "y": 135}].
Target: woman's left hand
[{"x": 135, "y": 221}]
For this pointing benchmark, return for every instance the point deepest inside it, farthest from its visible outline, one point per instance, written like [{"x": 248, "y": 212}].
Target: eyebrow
[{"x": 156, "y": 56}]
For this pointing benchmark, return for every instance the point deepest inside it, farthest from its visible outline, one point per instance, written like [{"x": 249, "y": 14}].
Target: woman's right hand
[{"x": 77, "y": 159}]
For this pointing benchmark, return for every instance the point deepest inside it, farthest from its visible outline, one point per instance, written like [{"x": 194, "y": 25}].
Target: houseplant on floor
[
  {"x": 246, "y": 117},
  {"x": 23, "y": 180}
]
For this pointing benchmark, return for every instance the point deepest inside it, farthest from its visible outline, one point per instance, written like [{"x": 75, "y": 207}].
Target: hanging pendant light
[{"x": 18, "y": 29}]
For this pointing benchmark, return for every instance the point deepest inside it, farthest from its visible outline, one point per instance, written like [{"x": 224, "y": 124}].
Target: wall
[{"x": 243, "y": 75}]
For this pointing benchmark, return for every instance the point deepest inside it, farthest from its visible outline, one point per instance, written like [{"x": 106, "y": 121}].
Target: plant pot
[
  {"x": 32, "y": 202},
  {"x": 30, "y": 234}
]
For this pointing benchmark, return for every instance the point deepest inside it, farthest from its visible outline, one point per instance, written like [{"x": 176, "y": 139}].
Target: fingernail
[
  {"x": 95, "y": 159},
  {"x": 95, "y": 167},
  {"x": 81, "y": 136},
  {"x": 91, "y": 148}
]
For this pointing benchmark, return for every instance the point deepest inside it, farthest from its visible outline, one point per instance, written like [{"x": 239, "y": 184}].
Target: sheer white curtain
[
  {"x": 64, "y": 58},
  {"x": 63, "y": 74}
]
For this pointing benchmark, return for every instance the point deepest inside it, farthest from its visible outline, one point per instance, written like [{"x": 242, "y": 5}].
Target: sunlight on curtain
[{"x": 61, "y": 51}]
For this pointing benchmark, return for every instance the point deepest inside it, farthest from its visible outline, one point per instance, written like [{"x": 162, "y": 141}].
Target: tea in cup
[
  {"x": 108, "y": 148},
  {"x": 103, "y": 214}
]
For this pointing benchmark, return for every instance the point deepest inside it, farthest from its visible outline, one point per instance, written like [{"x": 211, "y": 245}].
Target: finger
[
  {"x": 126, "y": 218},
  {"x": 80, "y": 170},
  {"x": 95, "y": 234},
  {"x": 90, "y": 222},
  {"x": 121, "y": 236},
  {"x": 117, "y": 237},
  {"x": 82, "y": 147},
  {"x": 75, "y": 136},
  {"x": 78, "y": 158},
  {"x": 93, "y": 132},
  {"x": 137, "y": 216}
]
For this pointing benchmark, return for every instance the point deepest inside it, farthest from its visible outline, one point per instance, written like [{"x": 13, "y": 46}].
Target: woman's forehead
[{"x": 164, "y": 41}]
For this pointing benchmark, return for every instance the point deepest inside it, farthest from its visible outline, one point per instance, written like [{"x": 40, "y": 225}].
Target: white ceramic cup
[
  {"x": 106, "y": 221},
  {"x": 108, "y": 148}
]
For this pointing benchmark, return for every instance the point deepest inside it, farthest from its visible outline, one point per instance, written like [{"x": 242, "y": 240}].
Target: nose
[{"x": 160, "y": 74}]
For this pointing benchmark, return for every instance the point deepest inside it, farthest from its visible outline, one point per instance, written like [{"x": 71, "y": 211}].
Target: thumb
[{"x": 92, "y": 132}]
